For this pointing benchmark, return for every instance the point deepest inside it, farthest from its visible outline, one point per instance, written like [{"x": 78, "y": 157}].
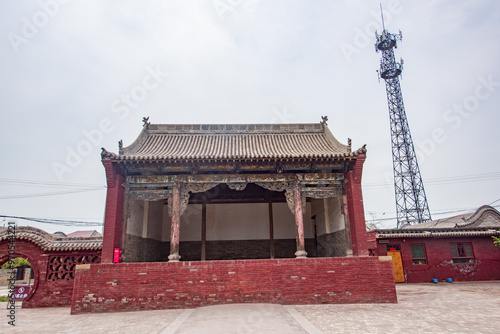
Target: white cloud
[{"x": 262, "y": 56}]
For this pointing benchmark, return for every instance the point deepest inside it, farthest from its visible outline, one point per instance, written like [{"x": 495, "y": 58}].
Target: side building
[{"x": 458, "y": 247}]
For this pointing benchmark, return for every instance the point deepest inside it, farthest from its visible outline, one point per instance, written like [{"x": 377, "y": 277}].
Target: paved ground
[{"x": 422, "y": 308}]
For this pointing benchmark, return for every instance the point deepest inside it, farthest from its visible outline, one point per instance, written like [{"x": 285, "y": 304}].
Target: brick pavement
[{"x": 472, "y": 307}]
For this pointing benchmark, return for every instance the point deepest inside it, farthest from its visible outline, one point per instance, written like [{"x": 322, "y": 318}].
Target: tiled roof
[
  {"x": 485, "y": 221},
  {"x": 234, "y": 141},
  {"x": 85, "y": 234},
  {"x": 484, "y": 217},
  {"x": 51, "y": 242},
  {"x": 381, "y": 234}
]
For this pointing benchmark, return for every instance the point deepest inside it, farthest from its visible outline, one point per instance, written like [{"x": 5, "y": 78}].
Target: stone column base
[
  {"x": 174, "y": 258},
  {"x": 301, "y": 254}
]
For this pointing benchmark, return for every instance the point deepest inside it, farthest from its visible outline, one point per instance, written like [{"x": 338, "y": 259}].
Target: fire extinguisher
[{"x": 117, "y": 255}]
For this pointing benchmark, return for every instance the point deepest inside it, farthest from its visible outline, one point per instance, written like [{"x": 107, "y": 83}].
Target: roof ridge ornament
[
  {"x": 324, "y": 120},
  {"x": 146, "y": 122},
  {"x": 120, "y": 146},
  {"x": 105, "y": 153}
]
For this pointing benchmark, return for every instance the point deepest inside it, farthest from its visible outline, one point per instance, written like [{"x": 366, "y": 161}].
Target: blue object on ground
[
  {"x": 434, "y": 280},
  {"x": 449, "y": 280}
]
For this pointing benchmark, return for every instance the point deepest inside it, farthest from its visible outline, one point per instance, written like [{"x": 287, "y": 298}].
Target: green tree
[
  {"x": 18, "y": 262},
  {"x": 496, "y": 240}
]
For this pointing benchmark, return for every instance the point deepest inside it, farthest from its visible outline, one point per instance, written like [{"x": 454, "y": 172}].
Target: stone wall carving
[
  {"x": 184, "y": 200},
  {"x": 149, "y": 195},
  {"x": 290, "y": 201},
  {"x": 274, "y": 186},
  {"x": 325, "y": 192},
  {"x": 199, "y": 187},
  {"x": 239, "y": 186}
]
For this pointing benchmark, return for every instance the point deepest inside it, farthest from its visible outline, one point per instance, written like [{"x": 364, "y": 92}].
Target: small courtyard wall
[{"x": 53, "y": 283}]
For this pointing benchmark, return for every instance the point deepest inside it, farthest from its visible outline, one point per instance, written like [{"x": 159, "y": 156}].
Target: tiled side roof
[
  {"x": 85, "y": 234},
  {"x": 485, "y": 221},
  {"x": 243, "y": 141},
  {"x": 50, "y": 242},
  {"x": 382, "y": 234},
  {"x": 484, "y": 217}
]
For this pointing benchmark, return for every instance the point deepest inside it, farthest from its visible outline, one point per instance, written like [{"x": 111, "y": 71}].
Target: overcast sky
[{"x": 80, "y": 75}]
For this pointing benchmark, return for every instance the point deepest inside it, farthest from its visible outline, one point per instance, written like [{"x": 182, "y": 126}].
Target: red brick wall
[
  {"x": 44, "y": 293},
  {"x": 439, "y": 265},
  {"x": 355, "y": 208},
  {"x": 163, "y": 285}
]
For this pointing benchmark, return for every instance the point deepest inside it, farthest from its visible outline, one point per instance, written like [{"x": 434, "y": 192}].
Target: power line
[
  {"x": 494, "y": 201},
  {"x": 48, "y": 184},
  {"x": 50, "y": 194},
  {"x": 434, "y": 213},
  {"x": 441, "y": 180},
  {"x": 55, "y": 221}
]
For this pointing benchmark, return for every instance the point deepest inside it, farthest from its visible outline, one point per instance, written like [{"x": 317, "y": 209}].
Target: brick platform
[{"x": 164, "y": 285}]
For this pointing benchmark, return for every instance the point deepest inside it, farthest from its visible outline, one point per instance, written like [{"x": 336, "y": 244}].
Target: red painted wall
[
  {"x": 439, "y": 265},
  {"x": 355, "y": 208},
  {"x": 112, "y": 231},
  {"x": 44, "y": 293},
  {"x": 164, "y": 285}
]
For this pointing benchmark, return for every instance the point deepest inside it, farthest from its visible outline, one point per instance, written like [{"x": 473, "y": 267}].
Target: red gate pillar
[
  {"x": 114, "y": 211},
  {"x": 355, "y": 208}
]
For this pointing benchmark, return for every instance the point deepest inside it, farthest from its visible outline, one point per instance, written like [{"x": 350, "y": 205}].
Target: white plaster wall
[
  {"x": 134, "y": 222},
  {"x": 335, "y": 219},
  {"x": 284, "y": 222},
  {"x": 317, "y": 208},
  {"x": 248, "y": 221},
  {"x": 190, "y": 229},
  {"x": 237, "y": 221},
  {"x": 155, "y": 220},
  {"x": 166, "y": 224}
]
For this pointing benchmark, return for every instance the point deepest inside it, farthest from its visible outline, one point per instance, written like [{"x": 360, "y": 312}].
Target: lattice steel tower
[{"x": 411, "y": 203}]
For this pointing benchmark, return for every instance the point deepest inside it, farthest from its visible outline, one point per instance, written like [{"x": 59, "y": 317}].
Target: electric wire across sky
[{"x": 73, "y": 188}]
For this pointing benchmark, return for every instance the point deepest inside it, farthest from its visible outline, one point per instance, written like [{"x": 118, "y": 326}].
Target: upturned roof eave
[{"x": 118, "y": 158}]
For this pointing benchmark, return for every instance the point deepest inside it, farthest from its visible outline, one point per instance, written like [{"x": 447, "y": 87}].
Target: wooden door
[{"x": 397, "y": 266}]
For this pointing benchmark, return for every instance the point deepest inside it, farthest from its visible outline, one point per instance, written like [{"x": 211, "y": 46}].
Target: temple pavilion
[{"x": 233, "y": 191}]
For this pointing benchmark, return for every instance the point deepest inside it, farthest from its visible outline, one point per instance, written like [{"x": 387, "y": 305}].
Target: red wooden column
[
  {"x": 271, "y": 229},
  {"x": 299, "y": 223},
  {"x": 176, "y": 222},
  {"x": 114, "y": 211},
  {"x": 359, "y": 238},
  {"x": 204, "y": 229}
]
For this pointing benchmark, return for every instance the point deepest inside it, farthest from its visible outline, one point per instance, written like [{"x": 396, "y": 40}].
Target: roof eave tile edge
[
  {"x": 131, "y": 159},
  {"x": 472, "y": 219},
  {"x": 47, "y": 242},
  {"x": 436, "y": 234}
]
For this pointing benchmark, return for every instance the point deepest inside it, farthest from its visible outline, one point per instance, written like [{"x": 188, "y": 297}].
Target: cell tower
[{"x": 411, "y": 203}]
